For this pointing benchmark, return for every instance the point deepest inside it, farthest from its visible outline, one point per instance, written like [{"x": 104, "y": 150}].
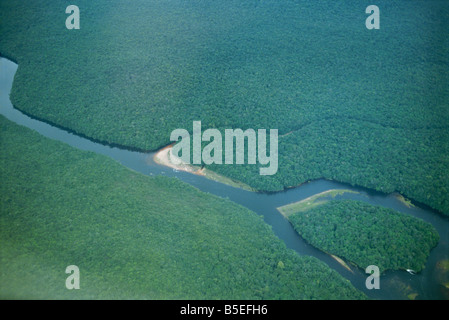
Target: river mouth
[{"x": 394, "y": 284}]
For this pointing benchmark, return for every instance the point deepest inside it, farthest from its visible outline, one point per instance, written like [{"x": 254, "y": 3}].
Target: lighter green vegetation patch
[{"x": 312, "y": 201}]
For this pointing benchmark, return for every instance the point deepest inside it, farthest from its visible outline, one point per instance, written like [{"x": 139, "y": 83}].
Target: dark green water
[{"x": 393, "y": 284}]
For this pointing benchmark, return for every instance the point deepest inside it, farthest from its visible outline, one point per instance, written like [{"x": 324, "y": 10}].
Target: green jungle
[{"x": 364, "y": 107}]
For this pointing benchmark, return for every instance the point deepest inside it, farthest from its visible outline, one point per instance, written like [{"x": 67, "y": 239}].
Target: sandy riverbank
[{"x": 164, "y": 157}]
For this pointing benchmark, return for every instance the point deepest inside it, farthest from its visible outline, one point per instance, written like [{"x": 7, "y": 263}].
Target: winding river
[{"x": 393, "y": 284}]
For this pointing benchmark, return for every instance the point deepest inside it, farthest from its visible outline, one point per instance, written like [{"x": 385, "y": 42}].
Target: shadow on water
[{"x": 394, "y": 284}]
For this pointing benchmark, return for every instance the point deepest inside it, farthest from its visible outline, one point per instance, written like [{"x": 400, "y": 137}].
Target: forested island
[{"x": 367, "y": 235}]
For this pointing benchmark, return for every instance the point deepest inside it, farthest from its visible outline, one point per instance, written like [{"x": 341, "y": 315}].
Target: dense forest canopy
[
  {"x": 367, "y": 107},
  {"x": 135, "y": 236}
]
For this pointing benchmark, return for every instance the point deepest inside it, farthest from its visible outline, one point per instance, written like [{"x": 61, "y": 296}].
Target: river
[{"x": 393, "y": 284}]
